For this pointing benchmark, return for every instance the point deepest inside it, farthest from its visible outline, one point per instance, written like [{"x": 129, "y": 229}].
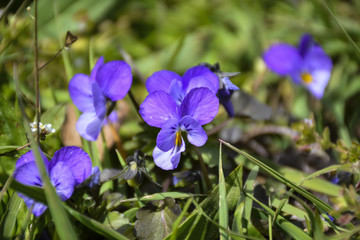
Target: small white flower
[{"x": 45, "y": 129}]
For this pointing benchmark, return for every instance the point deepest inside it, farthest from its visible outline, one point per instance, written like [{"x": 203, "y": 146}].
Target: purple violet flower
[
  {"x": 160, "y": 109},
  {"x": 109, "y": 81},
  {"x": 309, "y": 65},
  {"x": 177, "y": 86},
  {"x": 69, "y": 167}
]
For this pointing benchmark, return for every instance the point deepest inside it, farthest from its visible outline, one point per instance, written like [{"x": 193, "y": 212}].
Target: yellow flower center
[
  {"x": 178, "y": 140},
  {"x": 306, "y": 77}
]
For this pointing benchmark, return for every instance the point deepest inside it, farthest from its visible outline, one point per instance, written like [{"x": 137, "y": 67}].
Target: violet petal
[
  {"x": 166, "y": 138},
  {"x": 157, "y": 108},
  {"x": 99, "y": 101},
  {"x": 176, "y": 91},
  {"x": 161, "y": 80},
  {"x": 306, "y": 43},
  {"x": 77, "y": 160},
  {"x": 203, "y": 75},
  {"x": 29, "y": 157},
  {"x": 195, "y": 133},
  {"x": 95, "y": 69},
  {"x": 81, "y": 93},
  {"x": 114, "y": 79},
  {"x": 201, "y": 104},
  {"x": 89, "y": 125},
  {"x": 38, "y": 208},
  {"x": 62, "y": 179},
  {"x": 168, "y": 160},
  {"x": 282, "y": 58},
  {"x": 28, "y": 174}
]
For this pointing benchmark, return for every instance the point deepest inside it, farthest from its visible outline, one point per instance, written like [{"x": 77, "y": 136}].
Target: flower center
[
  {"x": 178, "y": 140},
  {"x": 306, "y": 77}
]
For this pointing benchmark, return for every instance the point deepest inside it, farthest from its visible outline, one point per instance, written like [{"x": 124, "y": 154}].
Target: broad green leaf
[
  {"x": 118, "y": 222},
  {"x": 155, "y": 221}
]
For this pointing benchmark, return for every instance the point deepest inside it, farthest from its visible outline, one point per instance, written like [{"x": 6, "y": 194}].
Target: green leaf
[
  {"x": 223, "y": 209},
  {"x": 156, "y": 224},
  {"x": 118, "y": 222},
  {"x": 8, "y": 221},
  {"x": 95, "y": 225},
  {"x": 11, "y": 128}
]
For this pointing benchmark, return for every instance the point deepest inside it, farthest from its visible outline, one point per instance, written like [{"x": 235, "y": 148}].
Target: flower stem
[
  {"x": 203, "y": 168},
  {"x": 15, "y": 150},
  {"x": 133, "y": 101},
  {"x": 119, "y": 145},
  {"x": 52, "y": 58},
  {"x": 36, "y": 73}
]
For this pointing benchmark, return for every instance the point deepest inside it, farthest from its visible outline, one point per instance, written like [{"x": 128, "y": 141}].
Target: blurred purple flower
[
  {"x": 177, "y": 86},
  {"x": 309, "y": 65},
  {"x": 109, "y": 81},
  {"x": 69, "y": 167},
  {"x": 160, "y": 109}
]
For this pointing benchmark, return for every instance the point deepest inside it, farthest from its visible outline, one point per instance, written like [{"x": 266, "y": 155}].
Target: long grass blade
[
  {"x": 223, "y": 209},
  {"x": 9, "y": 219}
]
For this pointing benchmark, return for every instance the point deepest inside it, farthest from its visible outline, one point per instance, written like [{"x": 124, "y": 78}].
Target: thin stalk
[
  {"x": 119, "y": 145},
  {"x": 133, "y": 101},
  {"x": 203, "y": 168},
  {"x": 13, "y": 151},
  {"x": 36, "y": 73},
  {"x": 52, "y": 58},
  {"x": 5, "y": 187}
]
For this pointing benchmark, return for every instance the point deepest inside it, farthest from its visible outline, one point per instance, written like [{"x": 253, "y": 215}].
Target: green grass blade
[
  {"x": 9, "y": 219},
  {"x": 193, "y": 227},
  {"x": 180, "y": 218},
  {"x": 95, "y": 225},
  {"x": 223, "y": 209},
  {"x": 237, "y": 225},
  {"x": 317, "y": 202},
  {"x": 342, "y": 29},
  {"x": 249, "y": 188},
  {"x": 288, "y": 227}
]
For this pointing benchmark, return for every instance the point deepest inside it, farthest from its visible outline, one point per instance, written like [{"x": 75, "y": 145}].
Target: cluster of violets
[
  {"x": 175, "y": 104},
  {"x": 179, "y": 104}
]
